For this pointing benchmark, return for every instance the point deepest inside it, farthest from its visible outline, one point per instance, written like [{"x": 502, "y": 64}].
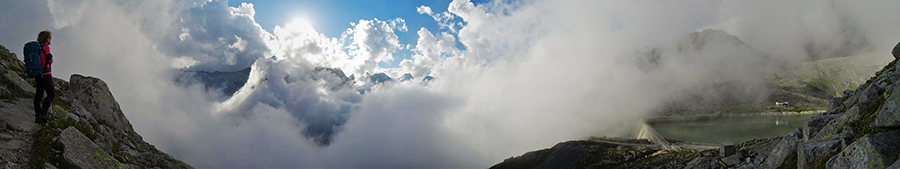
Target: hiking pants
[{"x": 44, "y": 83}]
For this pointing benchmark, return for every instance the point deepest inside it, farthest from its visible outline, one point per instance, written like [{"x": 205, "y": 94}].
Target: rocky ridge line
[{"x": 88, "y": 130}]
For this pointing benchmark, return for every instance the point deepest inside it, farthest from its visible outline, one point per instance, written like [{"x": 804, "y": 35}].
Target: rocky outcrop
[
  {"x": 93, "y": 94},
  {"x": 80, "y": 152},
  {"x": 784, "y": 150},
  {"x": 578, "y": 154},
  {"x": 889, "y": 114},
  {"x": 88, "y": 129},
  {"x": 871, "y": 151},
  {"x": 811, "y": 152}
]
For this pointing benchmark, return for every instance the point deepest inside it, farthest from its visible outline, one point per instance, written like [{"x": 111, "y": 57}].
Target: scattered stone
[
  {"x": 705, "y": 163},
  {"x": 733, "y": 160},
  {"x": 49, "y": 166},
  {"x": 870, "y": 151}
]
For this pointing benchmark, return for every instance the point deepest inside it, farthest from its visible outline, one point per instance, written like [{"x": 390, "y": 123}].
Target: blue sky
[{"x": 333, "y": 17}]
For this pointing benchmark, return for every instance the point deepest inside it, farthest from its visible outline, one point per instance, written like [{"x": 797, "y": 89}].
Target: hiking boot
[
  {"x": 39, "y": 120},
  {"x": 43, "y": 118}
]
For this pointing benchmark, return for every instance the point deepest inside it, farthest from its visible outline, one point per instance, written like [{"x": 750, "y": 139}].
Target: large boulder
[
  {"x": 889, "y": 113},
  {"x": 786, "y": 148},
  {"x": 835, "y": 126},
  {"x": 812, "y": 126},
  {"x": 80, "y": 152},
  {"x": 93, "y": 94},
  {"x": 810, "y": 152},
  {"x": 870, "y": 151}
]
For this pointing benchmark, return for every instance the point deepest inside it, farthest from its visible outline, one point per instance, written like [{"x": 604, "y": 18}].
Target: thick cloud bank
[{"x": 531, "y": 73}]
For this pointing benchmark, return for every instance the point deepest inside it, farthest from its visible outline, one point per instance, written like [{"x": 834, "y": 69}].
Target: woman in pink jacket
[{"x": 45, "y": 82}]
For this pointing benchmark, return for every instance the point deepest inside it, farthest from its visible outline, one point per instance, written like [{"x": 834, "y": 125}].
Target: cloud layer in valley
[{"x": 531, "y": 73}]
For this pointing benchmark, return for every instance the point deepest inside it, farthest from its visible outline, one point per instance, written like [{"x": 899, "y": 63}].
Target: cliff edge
[{"x": 88, "y": 129}]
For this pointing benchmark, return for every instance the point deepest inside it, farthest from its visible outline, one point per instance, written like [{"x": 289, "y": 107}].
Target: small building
[
  {"x": 726, "y": 149},
  {"x": 782, "y": 104}
]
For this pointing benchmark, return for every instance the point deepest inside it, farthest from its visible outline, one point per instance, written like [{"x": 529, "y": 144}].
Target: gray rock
[
  {"x": 889, "y": 113},
  {"x": 94, "y": 95},
  {"x": 79, "y": 152},
  {"x": 811, "y": 151},
  {"x": 49, "y": 166},
  {"x": 896, "y": 165},
  {"x": 565, "y": 155},
  {"x": 784, "y": 149},
  {"x": 869, "y": 96},
  {"x": 704, "y": 163},
  {"x": 834, "y": 103},
  {"x": 835, "y": 126},
  {"x": 896, "y": 51},
  {"x": 734, "y": 159},
  {"x": 870, "y": 151},
  {"x": 19, "y": 82},
  {"x": 812, "y": 126}
]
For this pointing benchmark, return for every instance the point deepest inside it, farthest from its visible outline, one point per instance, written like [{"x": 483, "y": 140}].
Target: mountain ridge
[{"x": 88, "y": 130}]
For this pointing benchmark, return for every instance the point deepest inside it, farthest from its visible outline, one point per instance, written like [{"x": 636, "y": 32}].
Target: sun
[{"x": 300, "y": 25}]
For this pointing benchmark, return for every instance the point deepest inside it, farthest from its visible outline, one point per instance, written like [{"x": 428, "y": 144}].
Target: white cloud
[
  {"x": 208, "y": 33},
  {"x": 444, "y": 19},
  {"x": 67, "y": 12},
  {"x": 532, "y": 73},
  {"x": 372, "y": 41},
  {"x": 429, "y": 49},
  {"x": 424, "y": 10}
]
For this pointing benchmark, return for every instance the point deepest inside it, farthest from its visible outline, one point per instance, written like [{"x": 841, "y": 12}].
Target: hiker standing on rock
[{"x": 38, "y": 60}]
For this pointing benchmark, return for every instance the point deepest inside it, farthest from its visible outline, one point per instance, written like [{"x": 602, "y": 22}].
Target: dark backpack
[{"x": 33, "y": 67}]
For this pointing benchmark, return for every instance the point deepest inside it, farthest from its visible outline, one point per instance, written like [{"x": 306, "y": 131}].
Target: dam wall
[{"x": 645, "y": 131}]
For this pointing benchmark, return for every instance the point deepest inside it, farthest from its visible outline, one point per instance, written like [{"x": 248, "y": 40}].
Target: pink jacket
[{"x": 44, "y": 64}]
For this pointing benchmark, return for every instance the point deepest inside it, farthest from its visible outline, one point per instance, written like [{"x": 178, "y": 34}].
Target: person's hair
[{"x": 43, "y": 36}]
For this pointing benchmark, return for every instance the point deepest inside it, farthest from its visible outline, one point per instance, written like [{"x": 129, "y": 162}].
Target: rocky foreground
[
  {"x": 88, "y": 129},
  {"x": 860, "y": 130}
]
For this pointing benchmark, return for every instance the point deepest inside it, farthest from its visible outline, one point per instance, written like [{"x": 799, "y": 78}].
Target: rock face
[
  {"x": 88, "y": 129},
  {"x": 81, "y": 152},
  {"x": 93, "y": 94},
  {"x": 871, "y": 151},
  {"x": 889, "y": 114},
  {"x": 811, "y": 152},
  {"x": 784, "y": 150}
]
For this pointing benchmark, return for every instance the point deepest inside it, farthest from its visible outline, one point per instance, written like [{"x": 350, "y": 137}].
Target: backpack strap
[{"x": 45, "y": 57}]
